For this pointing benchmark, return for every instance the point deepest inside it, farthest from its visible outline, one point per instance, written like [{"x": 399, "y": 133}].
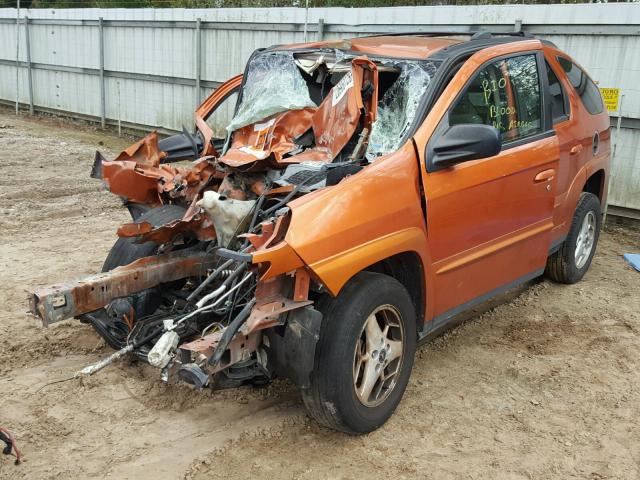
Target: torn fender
[
  {"x": 144, "y": 152},
  {"x": 143, "y": 183}
]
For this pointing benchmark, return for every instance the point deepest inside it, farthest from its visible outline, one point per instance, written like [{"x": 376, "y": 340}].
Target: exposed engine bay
[{"x": 201, "y": 283}]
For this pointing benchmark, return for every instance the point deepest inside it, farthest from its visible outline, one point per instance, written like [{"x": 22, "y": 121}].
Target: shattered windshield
[
  {"x": 274, "y": 84},
  {"x": 281, "y": 81},
  {"x": 398, "y": 106}
]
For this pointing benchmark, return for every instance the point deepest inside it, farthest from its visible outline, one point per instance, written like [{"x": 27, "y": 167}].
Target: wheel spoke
[
  {"x": 394, "y": 351},
  {"x": 385, "y": 331},
  {"x": 585, "y": 225},
  {"x": 356, "y": 368},
  {"x": 379, "y": 385},
  {"x": 373, "y": 333},
  {"x": 585, "y": 239},
  {"x": 369, "y": 378},
  {"x": 388, "y": 376}
]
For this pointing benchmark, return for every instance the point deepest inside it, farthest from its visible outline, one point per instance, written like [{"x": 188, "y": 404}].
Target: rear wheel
[
  {"x": 572, "y": 260},
  {"x": 364, "y": 355}
]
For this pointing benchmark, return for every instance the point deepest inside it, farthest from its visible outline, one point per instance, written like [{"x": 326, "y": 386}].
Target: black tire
[
  {"x": 561, "y": 265},
  {"x": 125, "y": 251},
  {"x": 332, "y": 399}
]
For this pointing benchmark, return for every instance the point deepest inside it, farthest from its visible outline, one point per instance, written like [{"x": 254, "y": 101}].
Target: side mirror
[{"x": 461, "y": 143}]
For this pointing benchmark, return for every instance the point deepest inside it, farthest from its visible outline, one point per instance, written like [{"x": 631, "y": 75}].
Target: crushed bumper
[{"x": 59, "y": 302}]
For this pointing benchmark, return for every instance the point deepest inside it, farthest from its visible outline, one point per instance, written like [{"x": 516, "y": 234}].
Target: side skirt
[{"x": 455, "y": 316}]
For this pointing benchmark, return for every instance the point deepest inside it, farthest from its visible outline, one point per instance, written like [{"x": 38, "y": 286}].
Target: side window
[
  {"x": 559, "y": 101},
  {"x": 506, "y": 95},
  {"x": 587, "y": 90}
]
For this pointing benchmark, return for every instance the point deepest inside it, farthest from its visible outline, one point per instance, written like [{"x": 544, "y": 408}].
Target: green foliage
[{"x": 265, "y": 3}]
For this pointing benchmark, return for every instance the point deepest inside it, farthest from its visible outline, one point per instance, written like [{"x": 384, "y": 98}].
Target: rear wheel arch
[
  {"x": 568, "y": 264},
  {"x": 595, "y": 184}
]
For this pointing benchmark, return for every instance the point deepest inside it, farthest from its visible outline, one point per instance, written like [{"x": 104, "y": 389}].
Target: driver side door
[{"x": 489, "y": 221}]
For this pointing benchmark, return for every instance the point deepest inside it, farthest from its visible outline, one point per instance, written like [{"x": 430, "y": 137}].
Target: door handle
[
  {"x": 545, "y": 175},
  {"x": 576, "y": 149}
]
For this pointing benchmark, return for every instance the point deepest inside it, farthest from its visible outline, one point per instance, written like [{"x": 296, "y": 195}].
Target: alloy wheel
[{"x": 378, "y": 356}]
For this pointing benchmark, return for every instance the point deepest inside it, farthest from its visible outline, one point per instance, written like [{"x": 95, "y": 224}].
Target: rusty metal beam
[{"x": 59, "y": 302}]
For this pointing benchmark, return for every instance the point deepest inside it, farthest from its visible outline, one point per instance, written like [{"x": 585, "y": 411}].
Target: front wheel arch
[
  {"x": 408, "y": 269},
  {"x": 332, "y": 398}
]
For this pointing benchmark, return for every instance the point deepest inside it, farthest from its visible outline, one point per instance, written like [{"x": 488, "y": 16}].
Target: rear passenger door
[
  {"x": 489, "y": 221},
  {"x": 580, "y": 135},
  {"x": 572, "y": 152}
]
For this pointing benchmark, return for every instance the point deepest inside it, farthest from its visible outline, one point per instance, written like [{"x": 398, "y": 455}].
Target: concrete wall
[{"x": 151, "y": 63}]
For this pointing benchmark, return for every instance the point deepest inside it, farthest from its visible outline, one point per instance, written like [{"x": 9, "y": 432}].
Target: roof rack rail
[
  {"x": 484, "y": 34},
  {"x": 433, "y": 33},
  {"x": 474, "y": 34},
  {"x": 481, "y": 35}
]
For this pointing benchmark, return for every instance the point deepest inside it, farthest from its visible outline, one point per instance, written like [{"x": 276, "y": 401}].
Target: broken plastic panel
[
  {"x": 397, "y": 109},
  {"x": 306, "y": 176},
  {"x": 274, "y": 84}
]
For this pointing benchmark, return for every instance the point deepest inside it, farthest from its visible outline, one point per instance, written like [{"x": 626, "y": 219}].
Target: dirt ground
[{"x": 546, "y": 386}]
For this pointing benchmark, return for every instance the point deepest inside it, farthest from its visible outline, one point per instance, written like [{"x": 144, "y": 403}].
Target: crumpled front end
[{"x": 224, "y": 299}]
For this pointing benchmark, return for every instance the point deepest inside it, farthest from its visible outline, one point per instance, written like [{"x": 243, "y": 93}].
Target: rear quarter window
[
  {"x": 588, "y": 91},
  {"x": 559, "y": 101}
]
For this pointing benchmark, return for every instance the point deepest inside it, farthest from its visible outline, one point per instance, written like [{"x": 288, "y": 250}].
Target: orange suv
[{"x": 346, "y": 200}]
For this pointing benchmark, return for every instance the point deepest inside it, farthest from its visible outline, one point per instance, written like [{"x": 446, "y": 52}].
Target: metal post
[
  {"x": 29, "y": 72},
  {"x": 320, "y": 28},
  {"x": 17, "y": 56},
  {"x": 119, "y": 111},
  {"x": 517, "y": 26},
  {"x": 103, "y": 108},
  {"x": 306, "y": 18},
  {"x": 198, "y": 50},
  {"x": 613, "y": 151}
]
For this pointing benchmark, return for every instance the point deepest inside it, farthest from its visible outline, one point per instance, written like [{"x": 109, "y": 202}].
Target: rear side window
[
  {"x": 506, "y": 95},
  {"x": 559, "y": 100},
  {"x": 587, "y": 90}
]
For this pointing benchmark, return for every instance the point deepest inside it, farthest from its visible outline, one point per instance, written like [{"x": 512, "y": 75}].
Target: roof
[
  {"x": 410, "y": 46},
  {"x": 401, "y": 46},
  {"x": 415, "y": 45}
]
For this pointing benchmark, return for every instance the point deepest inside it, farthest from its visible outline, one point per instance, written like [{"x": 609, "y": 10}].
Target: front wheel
[
  {"x": 364, "y": 355},
  {"x": 572, "y": 260}
]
